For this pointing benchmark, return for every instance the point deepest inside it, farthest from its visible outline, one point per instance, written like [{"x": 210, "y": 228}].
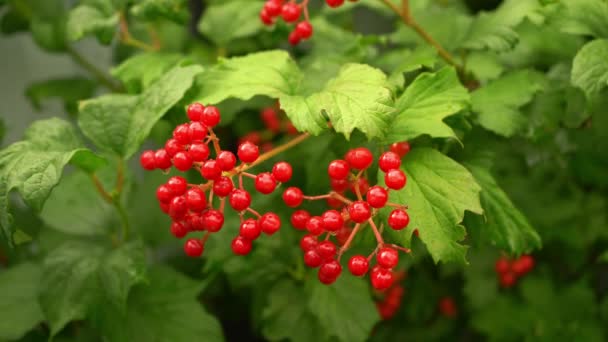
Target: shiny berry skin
[
  {"x": 401, "y": 148},
  {"x": 293, "y": 197},
  {"x": 178, "y": 207},
  {"x": 173, "y": 146},
  {"x": 332, "y": 220},
  {"x": 299, "y": 219},
  {"x": 164, "y": 194},
  {"x": 304, "y": 29},
  {"x": 359, "y": 211},
  {"x": 282, "y": 172},
  {"x": 395, "y": 179},
  {"x": 270, "y": 223},
  {"x": 507, "y": 279},
  {"x": 210, "y": 170},
  {"x": 222, "y": 186},
  {"x": 314, "y": 225},
  {"x": 381, "y": 278},
  {"x": 162, "y": 160},
  {"x": 312, "y": 258},
  {"x": 387, "y": 257},
  {"x": 360, "y": 158},
  {"x": 388, "y": 161},
  {"x": 329, "y": 272},
  {"x": 241, "y": 246},
  {"x": 198, "y": 131},
  {"x": 193, "y": 248},
  {"x": 182, "y": 161},
  {"x": 334, "y": 3},
  {"x": 210, "y": 116},
  {"x": 502, "y": 265},
  {"x": 147, "y": 160},
  {"x": 273, "y": 8},
  {"x": 523, "y": 265},
  {"x": 181, "y": 133},
  {"x": 290, "y": 12},
  {"x": 198, "y": 152},
  {"x": 358, "y": 265},
  {"x": 178, "y": 185},
  {"x": 239, "y": 199},
  {"x": 338, "y": 169},
  {"x": 327, "y": 250},
  {"x": 265, "y": 17},
  {"x": 250, "y": 229},
  {"x": 398, "y": 219},
  {"x": 196, "y": 200},
  {"x": 248, "y": 152},
  {"x": 195, "y": 111},
  {"x": 178, "y": 230},
  {"x": 376, "y": 196},
  {"x": 226, "y": 160},
  {"x": 213, "y": 220},
  {"x": 308, "y": 242},
  {"x": 339, "y": 185},
  {"x": 447, "y": 307},
  {"x": 265, "y": 183}
]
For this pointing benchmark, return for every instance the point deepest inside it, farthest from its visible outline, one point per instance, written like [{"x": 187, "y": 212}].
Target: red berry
[
  {"x": 273, "y": 8},
  {"x": 162, "y": 160},
  {"x": 265, "y": 183},
  {"x": 210, "y": 170},
  {"x": 308, "y": 242},
  {"x": 329, "y": 272},
  {"x": 241, "y": 246},
  {"x": 270, "y": 223},
  {"x": 198, "y": 152},
  {"x": 377, "y": 196},
  {"x": 222, "y": 186},
  {"x": 314, "y": 225},
  {"x": 282, "y": 172},
  {"x": 178, "y": 185},
  {"x": 335, "y": 202},
  {"x": 299, "y": 219},
  {"x": 182, "y": 161},
  {"x": 178, "y": 230},
  {"x": 332, "y": 220},
  {"x": 338, "y": 169},
  {"x": 164, "y": 207},
  {"x": 381, "y": 278},
  {"x": 178, "y": 207},
  {"x": 173, "y": 146},
  {"x": 290, "y": 12},
  {"x": 398, "y": 219},
  {"x": 213, "y": 220},
  {"x": 193, "y": 248},
  {"x": 502, "y": 265},
  {"x": 387, "y": 257},
  {"x": 312, "y": 258},
  {"x": 447, "y": 307},
  {"x": 248, "y": 152},
  {"x": 388, "y": 161},
  {"x": 508, "y": 279},
  {"x": 210, "y": 116},
  {"x": 342, "y": 235},
  {"x": 250, "y": 229},
  {"x": 147, "y": 160},
  {"x": 181, "y": 133},
  {"x": 293, "y": 197},
  {"x": 339, "y": 185},
  {"x": 359, "y": 158},
  {"x": 194, "y": 222},
  {"x": 196, "y": 200},
  {"x": 265, "y": 17},
  {"x": 271, "y": 119},
  {"x": 252, "y": 137},
  {"x": 395, "y": 179},
  {"x": 239, "y": 199},
  {"x": 195, "y": 111},
  {"x": 523, "y": 265},
  {"x": 358, "y": 265},
  {"x": 226, "y": 160},
  {"x": 327, "y": 250},
  {"x": 362, "y": 184},
  {"x": 164, "y": 194},
  {"x": 401, "y": 148},
  {"x": 198, "y": 131},
  {"x": 334, "y": 3},
  {"x": 359, "y": 211},
  {"x": 304, "y": 29}
]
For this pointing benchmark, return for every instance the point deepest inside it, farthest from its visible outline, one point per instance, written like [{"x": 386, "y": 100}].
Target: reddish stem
[
  {"x": 346, "y": 244},
  {"x": 376, "y": 232},
  {"x": 253, "y": 212}
]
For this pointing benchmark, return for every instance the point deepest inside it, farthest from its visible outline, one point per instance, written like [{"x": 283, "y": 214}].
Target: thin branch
[
  {"x": 98, "y": 74},
  {"x": 101, "y": 190},
  {"x": 270, "y": 154},
  {"x": 127, "y": 39}
]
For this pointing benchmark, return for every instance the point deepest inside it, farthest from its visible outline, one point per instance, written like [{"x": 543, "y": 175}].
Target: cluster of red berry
[
  {"x": 188, "y": 205},
  {"x": 276, "y": 123},
  {"x": 509, "y": 271},
  {"x": 358, "y": 212},
  {"x": 290, "y": 11},
  {"x": 447, "y": 307},
  {"x": 390, "y": 302}
]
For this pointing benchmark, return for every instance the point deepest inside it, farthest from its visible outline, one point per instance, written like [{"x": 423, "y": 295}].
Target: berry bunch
[
  {"x": 509, "y": 271},
  {"x": 291, "y": 11},
  {"x": 191, "y": 206},
  {"x": 447, "y": 307},
  {"x": 351, "y": 217},
  {"x": 276, "y": 124},
  {"x": 390, "y": 302}
]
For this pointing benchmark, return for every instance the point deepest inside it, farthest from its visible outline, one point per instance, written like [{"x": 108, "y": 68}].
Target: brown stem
[
  {"x": 316, "y": 198},
  {"x": 102, "y": 191},
  {"x": 215, "y": 140},
  {"x": 127, "y": 39},
  {"x": 268, "y": 155},
  {"x": 376, "y": 232},
  {"x": 254, "y": 212},
  {"x": 346, "y": 244}
]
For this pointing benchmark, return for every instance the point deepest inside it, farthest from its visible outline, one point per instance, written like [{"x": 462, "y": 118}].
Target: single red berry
[
  {"x": 172, "y": 146},
  {"x": 162, "y": 160},
  {"x": 239, "y": 199},
  {"x": 523, "y": 265},
  {"x": 265, "y": 183},
  {"x": 182, "y": 161},
  {"x": 338, "y": 169},
  {"x": 362, "y": 184},
  {"x": 198, "y": 152},
  {"x": 395, "y": 179},
  {"x": 213, "y": 220},
  {"x": 398, "y": 219},
  {"x": 343, "y": 234},
  {"x": 335, "y": 202},
  {"x": 359, "y": 211},
  {"x": 181, "y": 133},
  {"x": 271, "y": 119},
  {"x": 266, "y": 18},
  {"x": 270, "y": 223},
  {"x": 193, "y": 248},
  {"x": 339, "y": 185},
  {"x": 293, "y": 197},
  {"x": 507, "y": 279},
  {"x": 282, "y": 172},
  {"x": 401, "y": 148},
  {"x": 447, "y": 307},
  {"x": 248, "y": 152},
  {"x": 210, "y": 116},
  {"x": 222, "y": 186},
  {"x": 334, "y": 3},
  {"x": 332, "y": 220},
  {"x": 377, "y": 196},
  {"x": 359, "y": 158},
  {"x": 304, "y": 29},
  {"x": 502, "y": 265},
  {"x": 329, "y": 272},
  {"x": 178, "y": 207},
  {"x": 308, "y": 242},
  {"x": 290, "y": 12},
  {"x": 358, "y": 265},
  {"x": 147, "y": 160},
  {"x": 196, "y": 199},
  {"x": 194, "y": 222},
  {"x": 312, "y": 258},
  {"x": 327, "y": 250},
  {"x": 314, "y": 225},
  {"x": 388, "y": 161},
  {"x": 299, "y": 219},
  {"x": 226, "y": 160},
  {"x": 164, "y": 194},
  {"x": 381, "y": 278},
  {"x": 178, "y": 185},
  {"x": 198, "y": 131},
  {"x": 210, "y": 170},
  {"x": 195, "y": 111},
  {"x": 241, "y": 246},
  {"x": 252, "y": 137},
  {"x": 178, "y": 230},
  {"x": 273, "y": 8},
  {"x": 250, "y": 229},
  {"x": 164, "y": 207},
  {"x": 387, "y": 257}
]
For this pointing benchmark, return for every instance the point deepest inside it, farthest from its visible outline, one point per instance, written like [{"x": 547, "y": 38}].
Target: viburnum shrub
[{"x": 304, "y": 170}]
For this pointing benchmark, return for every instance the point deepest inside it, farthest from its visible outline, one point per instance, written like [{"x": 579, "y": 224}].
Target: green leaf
[
  {"x": 438, "y": 192},
  {"x": 79, "y": 278},
  {"x": 13, "y": 21},
  {"x": 2, "y": 130},
  {"x": 87, "y": 20},
  {"x": 498, "y": 102},
  {"x": 121, "y": 123},
  {"x": 140, "y": 71},
  {"x": 174, "y": 10},
  {"x": 68, "y": 90},
  {"x": 584, "y": 17},
  {"x": 590, "y": 68},
  {"x": 603, "y": 257},
  {"x": 33, "y": 166},
  {"x": 425, "y": 103},
  {"x": 226, "y": 21},
  {"x": 19, "y": 309}
]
